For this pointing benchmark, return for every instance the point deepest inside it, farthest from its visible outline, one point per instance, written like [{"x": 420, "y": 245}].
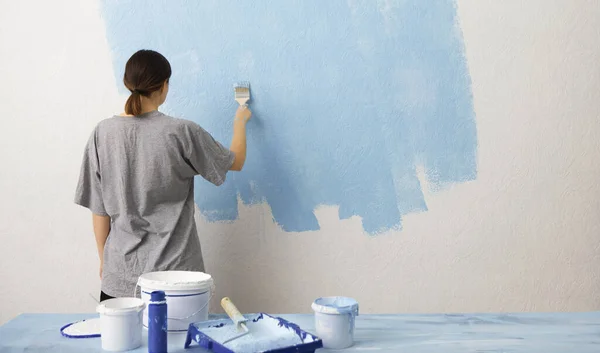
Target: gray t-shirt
[{"x": 140, "y": 172}]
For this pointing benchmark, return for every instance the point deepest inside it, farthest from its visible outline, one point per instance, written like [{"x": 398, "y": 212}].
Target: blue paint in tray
[{"x": 268, "y": 334}]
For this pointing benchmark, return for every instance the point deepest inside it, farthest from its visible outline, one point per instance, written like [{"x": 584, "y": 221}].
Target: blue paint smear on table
[
  {"x": 349, "y": 97},
  {"x": 431, "y": 333}
]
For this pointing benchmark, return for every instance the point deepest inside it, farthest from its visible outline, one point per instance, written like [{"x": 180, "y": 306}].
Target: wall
[
  {"x": 390, "y": 79},
  {"x": 518, "y": 233}
]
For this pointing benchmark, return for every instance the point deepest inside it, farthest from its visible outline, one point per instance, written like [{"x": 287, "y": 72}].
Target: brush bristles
[{"x": 242, "y": 84}]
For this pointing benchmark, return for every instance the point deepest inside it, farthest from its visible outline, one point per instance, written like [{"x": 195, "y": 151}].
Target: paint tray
[{"x": 268, "y": 334}]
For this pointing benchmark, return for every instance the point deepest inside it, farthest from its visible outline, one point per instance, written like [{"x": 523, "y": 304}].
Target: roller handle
[{"x": 233, "y": 312}]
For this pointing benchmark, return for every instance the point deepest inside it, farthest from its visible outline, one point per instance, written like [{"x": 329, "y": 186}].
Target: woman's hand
[
  {"x": 243, "y": 113},
  {"x": 101, "y": 265}
]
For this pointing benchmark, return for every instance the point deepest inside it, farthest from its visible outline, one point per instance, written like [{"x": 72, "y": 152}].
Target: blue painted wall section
[{"x": 349, "y": 97}]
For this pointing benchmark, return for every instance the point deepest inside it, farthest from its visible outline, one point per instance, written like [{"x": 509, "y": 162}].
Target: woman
[{"x": 137, "y": 178}]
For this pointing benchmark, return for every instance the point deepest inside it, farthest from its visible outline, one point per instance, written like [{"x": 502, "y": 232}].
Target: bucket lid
[
  {"x": 335, "y": 305},
  {"x": 117, "y": 306},
  {"x": 176, "y": 280},
  {"x": 88, "y": 328}
]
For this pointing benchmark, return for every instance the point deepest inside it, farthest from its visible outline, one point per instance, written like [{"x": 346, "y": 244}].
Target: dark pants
[{"x": 104, "y": 296}]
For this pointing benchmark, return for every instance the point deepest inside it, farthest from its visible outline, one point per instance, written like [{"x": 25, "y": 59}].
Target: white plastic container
[
  {"x": 334, "y": 321},
  {"x": 121, "y": 323},
  {"x": 188, "y": 295}
]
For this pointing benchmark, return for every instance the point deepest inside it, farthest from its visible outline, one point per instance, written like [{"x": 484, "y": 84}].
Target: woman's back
[
  {"x": 140, "y": 172},
  {"x": 137, "y": 178}
]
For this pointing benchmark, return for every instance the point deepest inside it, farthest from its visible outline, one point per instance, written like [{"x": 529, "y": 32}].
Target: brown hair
[{"x": 145, "y": 72}]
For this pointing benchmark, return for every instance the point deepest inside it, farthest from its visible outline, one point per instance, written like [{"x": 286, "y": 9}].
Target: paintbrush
[{"x": 242, "y": 92}]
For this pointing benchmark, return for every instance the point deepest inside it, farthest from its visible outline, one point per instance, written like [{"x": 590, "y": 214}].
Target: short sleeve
[
  {"x": 207, "y": 157},
  {"x": 89, "y": 187}
]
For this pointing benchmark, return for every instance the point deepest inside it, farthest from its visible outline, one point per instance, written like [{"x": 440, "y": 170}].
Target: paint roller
[{"x": 238, "y": 319}]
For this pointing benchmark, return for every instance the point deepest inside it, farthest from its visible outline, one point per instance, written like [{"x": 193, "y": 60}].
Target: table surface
[{"x": 448, "y": 333}]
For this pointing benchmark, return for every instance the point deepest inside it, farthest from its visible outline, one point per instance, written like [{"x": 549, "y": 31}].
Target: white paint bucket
[
  {"x": 334, "y": 321},
  {"x": 121, "y": 323},
  {"x": 188, "y": 294}
]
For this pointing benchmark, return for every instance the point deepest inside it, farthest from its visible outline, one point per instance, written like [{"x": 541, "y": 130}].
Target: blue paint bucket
[{"x": 334, "y": 321}]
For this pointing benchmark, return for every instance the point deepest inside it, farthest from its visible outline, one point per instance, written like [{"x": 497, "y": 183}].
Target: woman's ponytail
[{"x": 133, "y": 106}]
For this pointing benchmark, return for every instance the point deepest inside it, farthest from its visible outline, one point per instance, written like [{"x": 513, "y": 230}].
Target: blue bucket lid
[{"x": 336, "y": 305}]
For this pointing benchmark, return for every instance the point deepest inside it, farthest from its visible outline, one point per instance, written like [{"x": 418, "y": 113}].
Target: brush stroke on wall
[{"x": 350, "y": 98}]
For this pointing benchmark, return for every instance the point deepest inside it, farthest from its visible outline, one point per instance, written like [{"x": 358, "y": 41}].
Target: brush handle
[
  {"x": 242, "y": 101},
  {"x": 232, "y": 311}
]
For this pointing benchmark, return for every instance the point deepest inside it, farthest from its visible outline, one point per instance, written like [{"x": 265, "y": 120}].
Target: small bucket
[
  {"x": 121, "y": 323},
  {"x": 334, "y": 321},
  {"x": 188, "y": 294}
]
